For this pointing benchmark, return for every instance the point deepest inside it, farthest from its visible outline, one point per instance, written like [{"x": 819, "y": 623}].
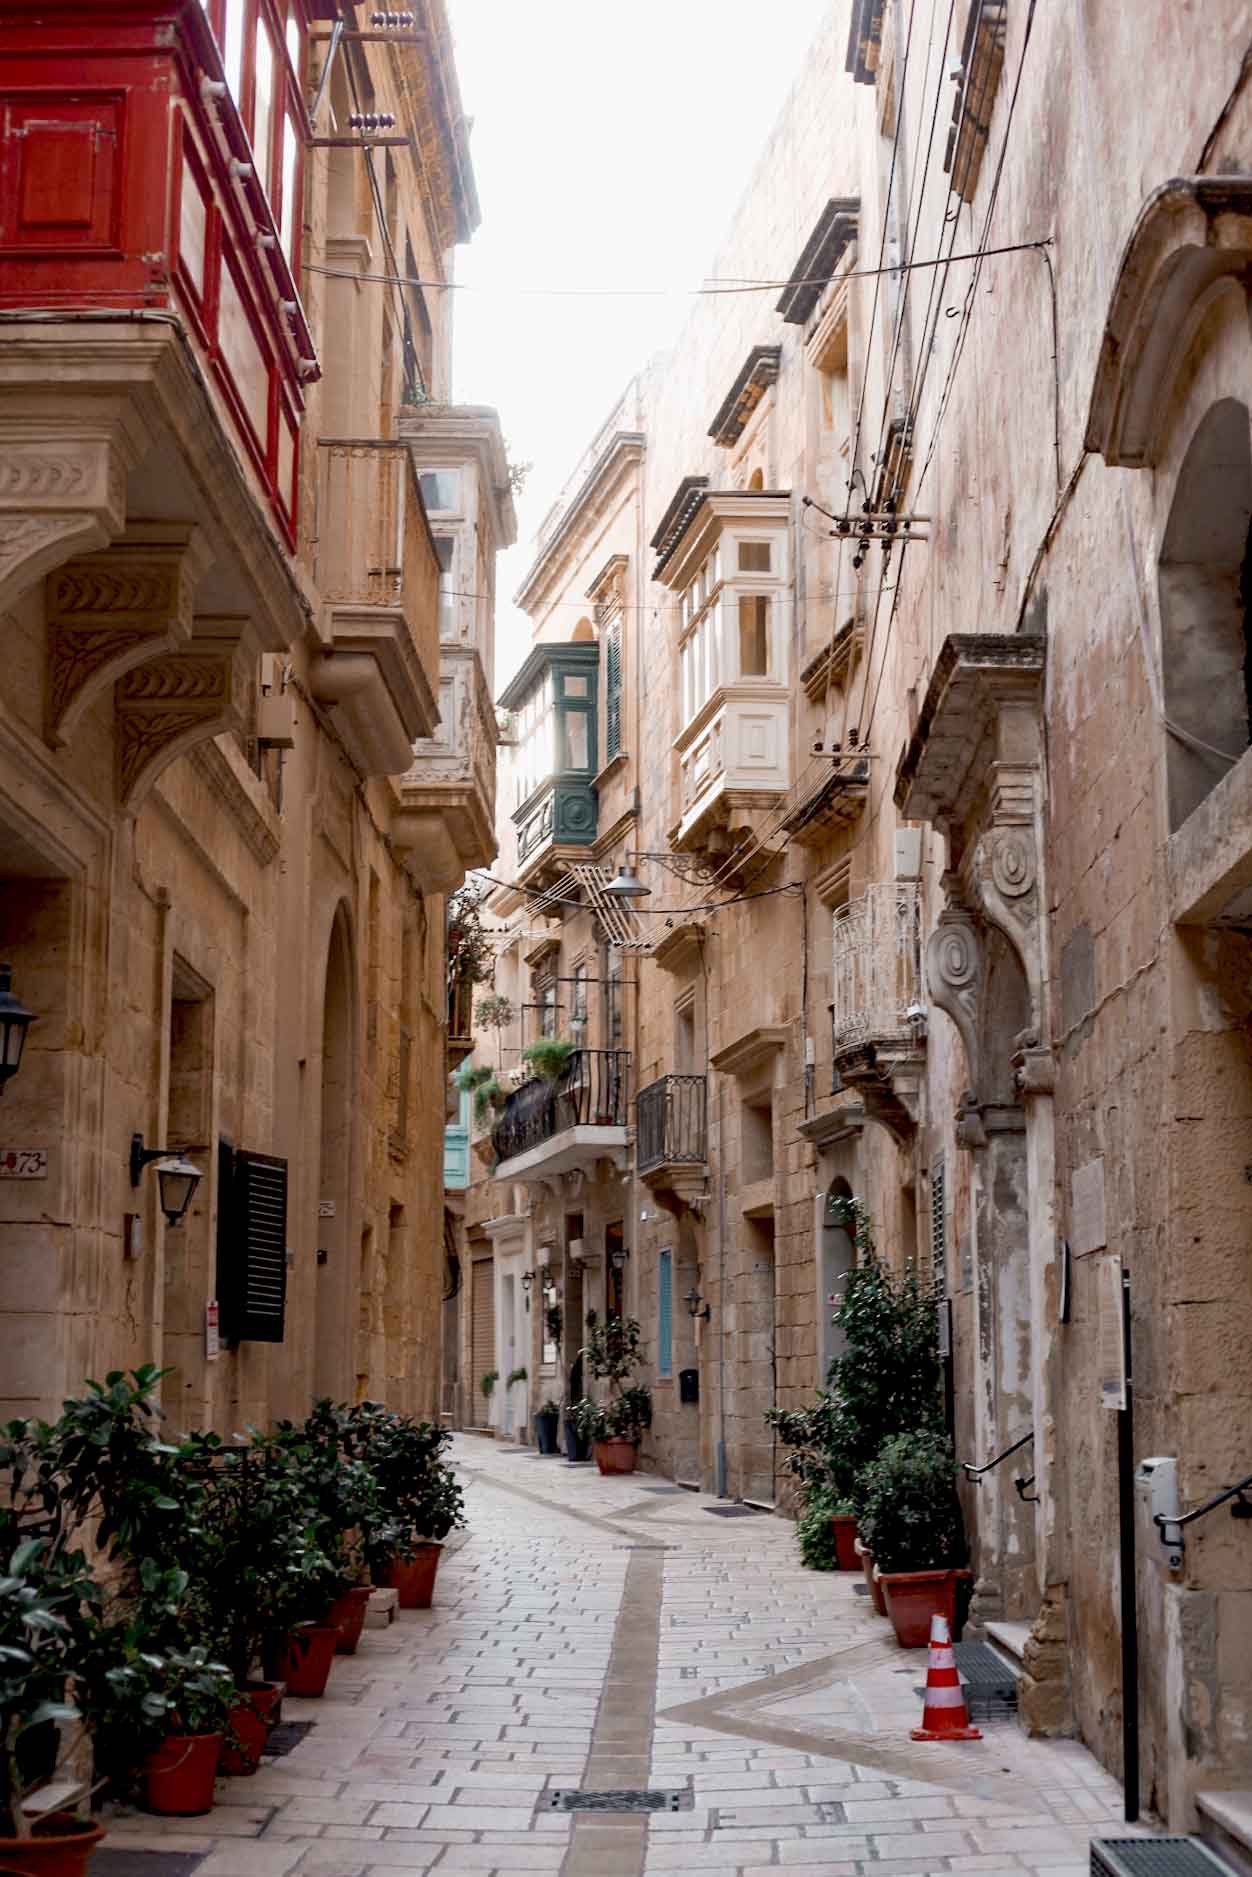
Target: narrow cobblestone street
[{"x": 621, "y": 1634}]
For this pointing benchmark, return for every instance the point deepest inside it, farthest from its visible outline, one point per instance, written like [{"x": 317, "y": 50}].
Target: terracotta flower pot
[
  {"x": 415, "y": 1580},
  {"x": 615, "y": 1456},
  {"x": 61, "y": 1847},
  {"x": 913, "y": 1597},
  {"x": 179, "y": 1775},
  {"x": 843, "y": 1524},
  {"x": 248, "y": 1725},
  {"x": 306, "y": 1660},
  {"x": 348, "y": 1612},
  {"x": 875, "y": 1588}
]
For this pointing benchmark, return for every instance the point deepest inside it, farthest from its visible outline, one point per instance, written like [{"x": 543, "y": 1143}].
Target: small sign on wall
[
  {"x": 1113, "y": 1363},
  {"x": 212, "y": 1332},
  {"x": 325, "y": 1208},
  {"x": 23, "y": 1163},
  {"x": 1088, "y": 1226}
]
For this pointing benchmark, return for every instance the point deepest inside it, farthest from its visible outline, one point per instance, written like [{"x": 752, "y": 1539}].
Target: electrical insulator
[{"x": 372, "y": 120}]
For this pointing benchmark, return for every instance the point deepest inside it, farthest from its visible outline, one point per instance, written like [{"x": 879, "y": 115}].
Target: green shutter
[
  {"x": 613, "y": 691},
  {"x": 252, "y": 1246},
  {"x": 665, "y": 1314}
]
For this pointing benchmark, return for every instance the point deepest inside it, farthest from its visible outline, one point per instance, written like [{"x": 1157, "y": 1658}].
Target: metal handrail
[
  {"x": 976, "y": 1472},
  {"x": 1243, "y": 1510}
]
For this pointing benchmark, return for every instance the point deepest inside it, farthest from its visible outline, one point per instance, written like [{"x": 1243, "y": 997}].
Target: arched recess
[
  {"x": 757, "y": 479},
  {"x": 1205, "y": 583},
  {"x": 583, "y": 632},
  {"x": 837, "y": 1255},
  {"x": 336, "y": 1254}
]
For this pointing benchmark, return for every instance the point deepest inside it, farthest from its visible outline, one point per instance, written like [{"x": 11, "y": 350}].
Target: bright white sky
[{"x": 611, "y": 143}]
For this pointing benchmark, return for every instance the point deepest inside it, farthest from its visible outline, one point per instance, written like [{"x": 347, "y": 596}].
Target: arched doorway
[
  {"x": 332, "y": 1362},
  {"x": 1205, "y": 585}
]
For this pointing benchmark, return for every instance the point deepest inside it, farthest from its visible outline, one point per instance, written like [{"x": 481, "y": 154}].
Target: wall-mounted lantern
[
  {"x": 15, "y": 1020},
  {"x": 696, "y": 1306},
  {"x": 177, "y": 1177}
]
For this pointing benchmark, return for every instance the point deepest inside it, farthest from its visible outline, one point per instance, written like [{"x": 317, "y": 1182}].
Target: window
[
  {"x": 444, "y": 549},
  {"x": 753, "y": 636},
  {"x": 536, "y": 751},
  {"x": 612, "y": 975},
  {"x": 613, "y": 690},
  {"x": 578, "y": 1005},
  {"x": 545, "y": 1003},
  {"x": 251, "y": 1245},
  {"x": 262, "y": 44},
  {"x": 441, "y": 490},
  {"x": 665, "y": 1314},
  {"x": 754, "y": 557}
]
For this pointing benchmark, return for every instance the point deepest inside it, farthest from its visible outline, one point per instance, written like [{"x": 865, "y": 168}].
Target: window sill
[{"x": 613, "y": 767}]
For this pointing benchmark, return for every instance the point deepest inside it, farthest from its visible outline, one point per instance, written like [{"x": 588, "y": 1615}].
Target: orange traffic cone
[{"x": 944, "y": 1715}]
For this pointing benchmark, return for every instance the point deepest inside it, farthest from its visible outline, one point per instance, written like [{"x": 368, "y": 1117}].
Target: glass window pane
[
  {"x": 232, "y": 52},
  {"x": 577, "y": 745},
  {"x": 295, "y": 51},
  {"x": 287, "y": 209},
  {"x": 441, "y": 488},
  {"x": 575, "y": 687},
  {"x": 753, "y": 636},
  {"x": 263, "y": 110},
  {"x": 754, "y": 557}
]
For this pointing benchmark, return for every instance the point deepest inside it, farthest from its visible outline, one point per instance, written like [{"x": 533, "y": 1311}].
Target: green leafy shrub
[
  {"x": 910, "y": 1516},
  {"x": 548, "y": 1055},
  {"x": 815, "y": 1532}
]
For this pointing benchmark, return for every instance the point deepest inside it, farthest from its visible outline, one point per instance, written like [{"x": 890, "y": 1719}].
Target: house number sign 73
[{"x": 23, "y": 1163}]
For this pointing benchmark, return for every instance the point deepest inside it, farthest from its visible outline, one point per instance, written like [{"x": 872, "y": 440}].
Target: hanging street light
[
  {"x": 177, "y": 1177},
  {"x": 15, "y": 1020},
  {"x": 628, "y": 885}
]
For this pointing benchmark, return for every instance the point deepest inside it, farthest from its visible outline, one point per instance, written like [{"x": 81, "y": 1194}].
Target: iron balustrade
[
  {"x": 592, "y": 1090},
  {"x": 671, "y": 1118}
]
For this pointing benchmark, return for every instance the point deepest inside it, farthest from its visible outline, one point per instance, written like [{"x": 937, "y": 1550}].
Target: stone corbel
[
  {"x": 1034, "y": 1066},
  {"x": 1002, "y": 878},
  {"x": 109, "y": 612},
  {"x": 970, "y": 1131},
  {"x": 166, "y": 706},
  {"x": 955, "y": 971},
  {"x": 62, "y": 488}
]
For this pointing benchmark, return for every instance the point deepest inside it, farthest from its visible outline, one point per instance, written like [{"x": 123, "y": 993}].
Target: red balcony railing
[{"x": 127, "y": 181}]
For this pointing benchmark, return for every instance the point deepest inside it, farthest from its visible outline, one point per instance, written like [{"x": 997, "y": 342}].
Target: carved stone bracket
[
  {"x": 62, "y": 488},
  {"x": 166, "y": 706},
  {"x": 109, "y": 612},
  {"x": 888, "y": 1078},
  {"x": 956, "y": 970}
]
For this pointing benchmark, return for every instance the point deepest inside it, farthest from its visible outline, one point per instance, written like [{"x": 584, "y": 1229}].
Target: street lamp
[
  {"x": 15, "y": 1020},
  {"x": 628, "y": 885},
  {"x": 693, "y": 1301},
  {"x": 177, "y": 1177}
]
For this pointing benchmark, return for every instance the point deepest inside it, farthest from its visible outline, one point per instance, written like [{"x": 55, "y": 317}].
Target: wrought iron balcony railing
[
  {"x": 877, "y": 966},
  {"x": 671, "y": 1117},
  {"x": 591, "y": 1091}
]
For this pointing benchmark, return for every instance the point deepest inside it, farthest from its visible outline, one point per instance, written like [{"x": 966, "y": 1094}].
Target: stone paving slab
[{"x": 598, "y": 1634}]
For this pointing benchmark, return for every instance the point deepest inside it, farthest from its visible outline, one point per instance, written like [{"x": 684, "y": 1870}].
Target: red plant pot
[
  {"x": 875, "y": 1588},
  {"x": 179, "y": 1775},
  {"x": 615, "y": 1456},
  {"x": 414, "y": 1579},
  {"x": 306, "y": 1660},
  {"x": 61, "y": 1847},
  {"x": 843, "y": 1524},
  {"x": 913, "y": 1597},
  {"x": 348, "y": 1612},
  {"x": 248, "y": 1725}
]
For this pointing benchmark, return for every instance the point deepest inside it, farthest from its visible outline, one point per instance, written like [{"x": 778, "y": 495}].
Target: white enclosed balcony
[{"x": 877, "y": 1028}]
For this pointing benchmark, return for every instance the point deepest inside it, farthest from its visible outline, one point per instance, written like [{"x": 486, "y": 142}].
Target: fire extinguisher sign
[{"x": 212, "y": 1332}]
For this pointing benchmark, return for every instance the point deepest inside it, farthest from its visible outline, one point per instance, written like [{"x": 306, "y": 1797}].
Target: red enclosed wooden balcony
[{"x": 151, "y": 162}]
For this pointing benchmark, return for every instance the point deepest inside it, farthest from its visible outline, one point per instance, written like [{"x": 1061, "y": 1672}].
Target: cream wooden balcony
[
  {"x": 377, "y": 577},
  {"x": 445, "y": 820},
  {"x": 733, "y": 759}
]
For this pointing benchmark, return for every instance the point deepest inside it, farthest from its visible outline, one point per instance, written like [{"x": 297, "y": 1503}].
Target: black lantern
[
  {"x": 177, "y": 1177},
  {"x": 696, "y": 1306},
  {"x": 15, "y": 1020}
]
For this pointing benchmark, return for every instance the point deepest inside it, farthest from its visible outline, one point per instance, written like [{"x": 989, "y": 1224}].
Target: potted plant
[
  {"x": 548, "y": 1056},
  {"x": 186, "y": 1698},
  {"x": 912, "y": 1522},
  {"x": 421, "y": 1501},
  {"x": 487, "y": 1383},
  {"x": 43, "y": 1594},
  {"x": 514, "y": 1376},
  {"x": 546, "y": 1420},
  {"x": 613, "y": 1352},
  {"x": 495, "y": 1012}
]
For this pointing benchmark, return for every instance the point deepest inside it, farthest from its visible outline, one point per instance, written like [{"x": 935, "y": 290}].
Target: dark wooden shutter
[
  {"x": 613, "y": 691},
  {"x": 252, "y": 1246}
]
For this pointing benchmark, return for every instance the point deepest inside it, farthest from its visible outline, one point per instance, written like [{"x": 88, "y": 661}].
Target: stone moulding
[
  {"x": 1192, "y": 235},
  {"x": 757, "y": 373},
  {"x": 166, "y": 706}
]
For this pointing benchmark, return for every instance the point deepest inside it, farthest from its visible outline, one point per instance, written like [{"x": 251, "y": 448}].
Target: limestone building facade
[
  {"x": 909, "y": 605},
  {"x": 247, "y": 748}
]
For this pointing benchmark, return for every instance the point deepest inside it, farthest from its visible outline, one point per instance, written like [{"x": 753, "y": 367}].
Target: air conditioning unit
[{"x": 576, "y": 1251}]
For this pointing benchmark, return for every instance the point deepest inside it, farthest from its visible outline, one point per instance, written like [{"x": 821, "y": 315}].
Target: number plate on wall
[{"x": 23, "y": 1163}]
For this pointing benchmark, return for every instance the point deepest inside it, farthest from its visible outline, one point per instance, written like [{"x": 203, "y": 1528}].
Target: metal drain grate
[
  {"x": 286, "y": 1737},
  {"x": 663, "y": 1489},
  {"x": 106, "y": 1863},
  {"x": 860, "y": 1590},
  {"x": 1155, "y": 1857},
  {"x": 990, "y": 1684},
  {"x": 621, "y": 1801},
  {"x": 733, "y": 1512},
  {"x": 616, "y": 1548}
]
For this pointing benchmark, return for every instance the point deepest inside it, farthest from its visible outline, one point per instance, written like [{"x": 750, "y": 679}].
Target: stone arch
[
  {"x": 757, "y": 479},
  {"x": 1204, "y": 587},
  {"x": 336, "y": 1247},
  {"x": 583, "y": 632}
]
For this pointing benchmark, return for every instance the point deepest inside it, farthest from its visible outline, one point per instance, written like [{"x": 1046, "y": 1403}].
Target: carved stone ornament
[
  {"x": 1000, "y": 877},
  {"x": 956, "y": 970},
  {"x": 166, "y": 706},
  {"x": 109, "y": 612},
  {"x": 60, "y": 495},
  {"x": 970, "y": 1132}
]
